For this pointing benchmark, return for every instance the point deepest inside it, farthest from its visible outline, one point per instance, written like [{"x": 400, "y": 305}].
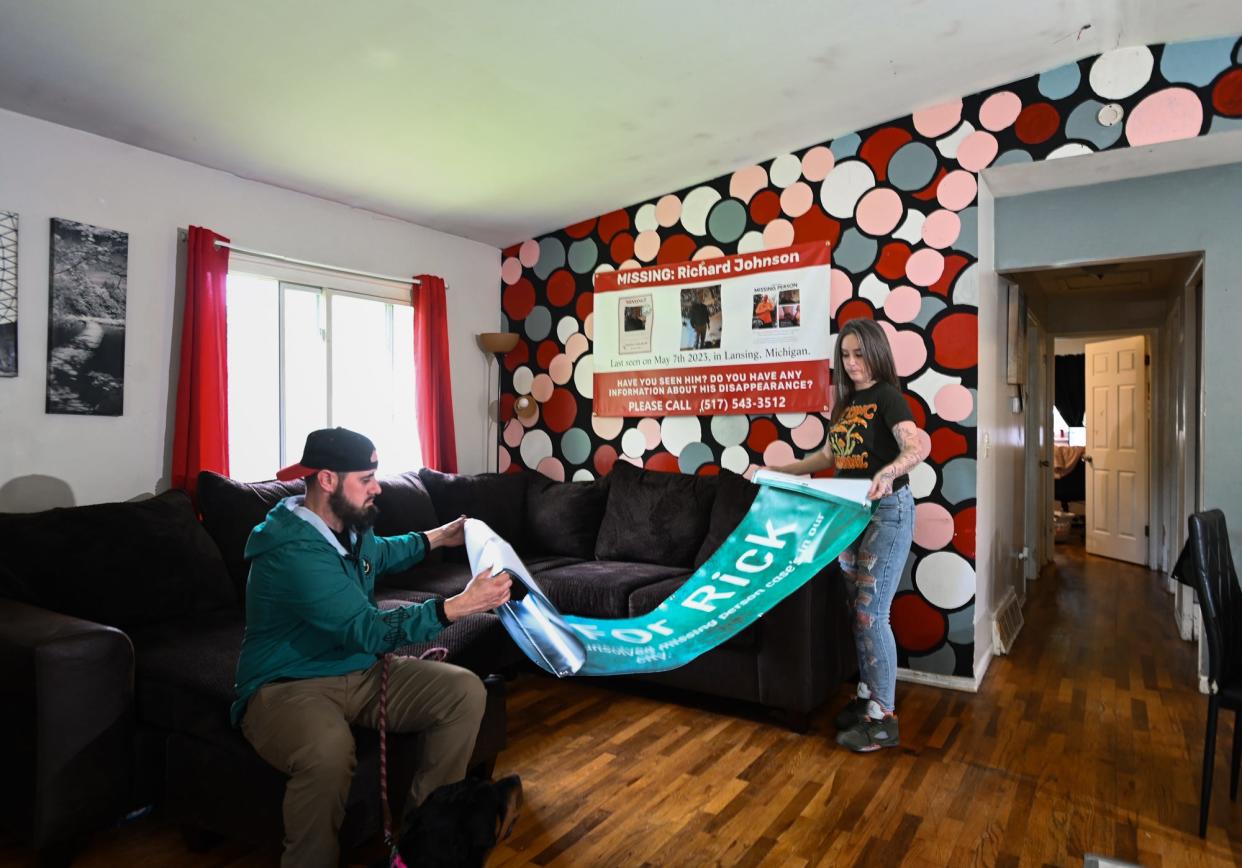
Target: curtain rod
[{"x": 404, "y": 281}]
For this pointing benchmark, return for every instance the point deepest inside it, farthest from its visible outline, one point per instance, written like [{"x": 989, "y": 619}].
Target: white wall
[{"x": 52, "y": 171}]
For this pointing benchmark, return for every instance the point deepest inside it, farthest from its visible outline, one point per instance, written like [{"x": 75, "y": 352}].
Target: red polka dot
[
  {"x": 518, "y": 299},
  {"x": 929, "y": 192},
  {"x": 506, "y": 406},
  {"x": 585, "y": 305},
  {"x": 765, "y": 207},
  {"x": 580, "y": 230},
  {"x": 855, "y": 308},
  {"x": 964, "y": 532},
  {"x": 519, "y": 355},
  {"x": 916, "y": 409},
  {"x": 612, "y": 223},
  {"x": 665, "y": 462},
  {"x": 548, "y": 350},
  {"x": 561, "y": 288},
  {"x": 560, "y": 410},
  {"x": 815, "y": 225},
  {"x": 1227, "y": 95},
  {"x": 954, "y": 263},
  {"x": 605, "y": 457},
  {"x": 708, "y": 470},
  {"x": 918, "y": 626},
  {"x": 892, "y": 262},
  {"x": 676, "y": 248},
  {"x": 880, "y": 147},
  {"x": 516, "y": 466},
  {"x": 1036, "y": 123},
  {"x": 622, "y": 247},
  {"x": 510, "y": 251},
  {"x": 762, "y": 432},
  {"x": 956, "y": 339},
  {"x": 945, "y": 444}
]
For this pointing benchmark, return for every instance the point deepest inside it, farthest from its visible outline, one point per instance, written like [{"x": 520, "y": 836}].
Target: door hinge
[
  {"x": 1147, "y": 530},
  {"x": 1147, "y": 359}
]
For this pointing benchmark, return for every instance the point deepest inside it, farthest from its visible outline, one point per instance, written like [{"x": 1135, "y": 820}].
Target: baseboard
[{"x": 953, "y": 682}]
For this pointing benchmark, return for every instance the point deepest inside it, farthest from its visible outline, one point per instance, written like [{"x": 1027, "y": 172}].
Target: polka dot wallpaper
[{"x": 898, "y": 201}]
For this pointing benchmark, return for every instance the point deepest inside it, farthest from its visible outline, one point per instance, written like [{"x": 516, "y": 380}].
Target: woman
[{"x": 872, "y": 435}]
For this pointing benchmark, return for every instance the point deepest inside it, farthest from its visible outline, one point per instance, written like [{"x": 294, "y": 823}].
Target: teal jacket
[{"x": 310, "y": 604}]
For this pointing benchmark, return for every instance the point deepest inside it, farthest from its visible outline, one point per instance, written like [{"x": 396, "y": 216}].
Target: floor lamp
[{"x": 495, "y": 345}]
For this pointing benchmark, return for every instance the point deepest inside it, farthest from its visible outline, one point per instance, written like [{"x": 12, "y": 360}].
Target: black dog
[{"x": 459, "y": 824}]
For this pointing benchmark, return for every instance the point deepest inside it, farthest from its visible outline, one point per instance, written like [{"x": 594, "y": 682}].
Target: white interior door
[{"x": 1117, "y": 471}]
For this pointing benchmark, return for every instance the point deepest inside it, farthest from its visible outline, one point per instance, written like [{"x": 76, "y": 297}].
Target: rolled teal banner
[{"x": 793, "y": 530}]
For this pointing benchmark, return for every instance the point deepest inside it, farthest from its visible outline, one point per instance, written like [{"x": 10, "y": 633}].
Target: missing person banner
[
  {"x": 747, "y": 333},
  {"x": 793, "y": 530}
]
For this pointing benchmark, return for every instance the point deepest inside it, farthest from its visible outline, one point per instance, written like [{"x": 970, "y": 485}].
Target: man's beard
[{"x": 353, "y": 517}]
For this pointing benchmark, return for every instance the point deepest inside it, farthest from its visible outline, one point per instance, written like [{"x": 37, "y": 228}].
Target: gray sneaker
[
  {"x": 853, "y": 713},
  {"x": 868, "y": 735}
]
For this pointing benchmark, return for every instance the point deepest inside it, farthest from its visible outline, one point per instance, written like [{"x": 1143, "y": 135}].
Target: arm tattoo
[{"x": 906, "y": 434}]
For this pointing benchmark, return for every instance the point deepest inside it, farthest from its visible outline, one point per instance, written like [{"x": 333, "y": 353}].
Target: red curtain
[
  {"x": 432, "y": 390},
  {"x": 201, "y": 435}
]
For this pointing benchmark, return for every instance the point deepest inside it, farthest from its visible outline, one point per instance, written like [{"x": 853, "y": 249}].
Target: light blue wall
[{"x": 1174, "y": 213}]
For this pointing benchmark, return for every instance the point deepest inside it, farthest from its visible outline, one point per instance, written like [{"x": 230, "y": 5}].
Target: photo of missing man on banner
[
  {"x": 763, "y": 314},
  {"x": 701, "y": 318}
]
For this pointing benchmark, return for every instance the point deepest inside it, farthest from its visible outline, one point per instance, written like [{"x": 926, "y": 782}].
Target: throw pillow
[
  {"x": 563, "y": 518},
  {"x": 496, "y": 498},
  {"x": 734, "y": 495},
  {"x": 653, "y": 517},
  {"x": 232, "y": 509}
]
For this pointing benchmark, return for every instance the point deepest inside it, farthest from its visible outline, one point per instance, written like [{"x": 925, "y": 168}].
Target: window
[
  {"x": 303, "y": 357},
  {"x": 1063, "y": 433}
]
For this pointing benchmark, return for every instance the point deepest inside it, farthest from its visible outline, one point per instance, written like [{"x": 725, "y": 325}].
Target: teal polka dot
[
  {"x": 856, "y": 251},
  {"x": 929, "y": 308},
  {"x": 1060, "y": 82},
  {"x": 693, "y": 456},
  {"x": 1196, "y": 63},
  {"x": 968, "y": 237},
  {"x": 538, "y": 323},
  {"x": 1009, "y": 158},
  {"x": 845, "y": 146},
  {"x": 958, "y": 480},
  {"x": 942, "y": 661},
  {"x": 1084, "y": 125},
  {"x": 727, "y": 221},
  {"x": 551, "y": 257},
  {"x": 583, "y": 255},
  {"x": 962, "y": 625},
  {"x": 912, "y": 167},
  {"x": 576, "y": 446}
]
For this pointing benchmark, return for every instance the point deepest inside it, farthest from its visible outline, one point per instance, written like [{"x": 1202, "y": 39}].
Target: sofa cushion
[
  {"x": 563, "y": 518},
  {"x": 646, "y": 598},
  {"x": 496, "y": 498},
  {"x": 231, "y": 510},
  {"x": 405, "y": 505},
  {"x": 734, "y": 495},
  {"x": 653, "y": 517},
  {"x": 600, "y": 589},
  {"x": 121, "y": 564}
]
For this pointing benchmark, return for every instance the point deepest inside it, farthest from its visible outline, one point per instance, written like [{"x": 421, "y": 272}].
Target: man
[
  {"x": 700, "y": 316},
  {"x": 309, "y": 667}
]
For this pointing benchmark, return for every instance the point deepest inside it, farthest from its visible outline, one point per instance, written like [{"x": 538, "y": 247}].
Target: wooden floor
[{"x": 1087, "y": 740}]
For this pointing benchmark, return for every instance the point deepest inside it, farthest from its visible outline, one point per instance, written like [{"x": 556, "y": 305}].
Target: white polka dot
[
  {"x": 584, "y": 376},
  {"x": 604, "y": 266},
  {"x": 751, "y": 242},
  {"x": 536, "y": 446},
  {"x": 927, "y": 384},
  {"x": 645, "y": 218},
  {"x": 911, "y": 229},
  {"x": 949, "y": 144},
  {"x": 844, "y": 186},
  {"x": 633, "y": 443},
  {"x": 694, "y": 210},
  {"x": 735, "y": 458},
  {"x": 583, "y": 475},
  {"x": 785, "y": 170},
  {"x": 567, "y": 327},
  {"x": 730, "y": 430},
  {"x": 522, "y": 379},
  {"x": 677, "y": 431},
  {"x": 946, "y": 579},
  {"x": 1121, "y": 72},
  {"x": 791, "y": 420},
  {"x": 1070, "y": 149},
  {"x": 922, "y": 480},
  {"x": 966, "y": 288},
  {"x": 874, "y": 290}
]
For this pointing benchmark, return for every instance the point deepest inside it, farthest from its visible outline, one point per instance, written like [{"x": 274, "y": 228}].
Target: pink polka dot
[
  {"x": 957, "y": 190},
  {"x": 879, "y": 211},
  {"x": 841, "y": 292},
  {"x": 817, "y": 163},
  {"x": 977, "y": 150},
  {"x": 647, "y": 244},
  {"x": 709, "y": 251},
  {"x": 933, "y": 526},
  {"x": 938, "y": 119},
  {"x": 953, "y": 403},
  {"x": 552, "y": 468},
  {"x": 925, "y": 266},
  {"x": 778, "y": 452},
  {"x": 561, "y": 369},
  {"x": 650, "y": 429},
  {"x": 941, "y": 228},
  {"x": 637, "y": 462},
  {"x": 503, "y": 459},
  {"x": 513, "y": 433},
  {"x": 511, "y": 271},
  {"x": 924, "y": 442},
  {"x": 588, "y": 326},
  {"x": 909, "y": 350},
  {"x": 576, "y": 346},
  {"x": 1000, "y": 110},
  {"x": 541, "y": 388},
  {"x": 1173, "y": 113},
  {"x": 809, "y": 434},
  {"x": 796, "y": 199},
  {"x": 903, "y": 304},
  {"x": 778, "y": 233},
  {"x": 747, "y": 182},
  {"x": 528, "y": 253},
  {"x": 668, "y": 210}
]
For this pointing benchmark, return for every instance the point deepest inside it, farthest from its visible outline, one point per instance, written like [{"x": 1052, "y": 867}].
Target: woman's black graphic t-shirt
[{"x": 861, "y": 442}]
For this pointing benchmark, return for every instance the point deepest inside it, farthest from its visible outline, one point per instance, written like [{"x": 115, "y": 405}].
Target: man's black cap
[{"x": 337, "y": 449}]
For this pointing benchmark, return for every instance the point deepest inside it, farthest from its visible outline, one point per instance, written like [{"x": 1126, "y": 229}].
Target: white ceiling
[{"x": 502, "y": 120}]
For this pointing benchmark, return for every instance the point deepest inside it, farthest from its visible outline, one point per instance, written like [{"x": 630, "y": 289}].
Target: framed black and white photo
[
  {"x": 86, "y": 319},
  {"x": 8, "y": 294}
]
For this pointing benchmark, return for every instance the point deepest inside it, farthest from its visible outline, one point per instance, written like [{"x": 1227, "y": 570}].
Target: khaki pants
[{"x": 302, "y": 728}]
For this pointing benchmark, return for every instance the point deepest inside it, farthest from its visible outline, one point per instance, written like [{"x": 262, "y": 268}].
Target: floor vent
[{"x": 1006, "y": 623}]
